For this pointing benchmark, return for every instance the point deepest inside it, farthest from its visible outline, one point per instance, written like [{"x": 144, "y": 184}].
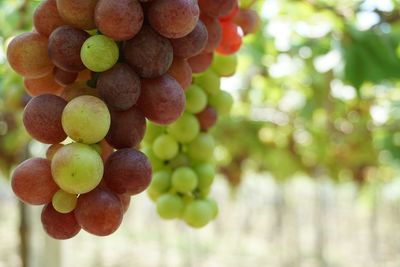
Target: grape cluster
[
  {"x": 97, "y": 70},
  {"x": 182, "y": 153}
]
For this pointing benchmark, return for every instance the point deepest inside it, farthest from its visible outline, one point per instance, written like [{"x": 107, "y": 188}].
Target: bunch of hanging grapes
[{"x": 97, "y": 70}]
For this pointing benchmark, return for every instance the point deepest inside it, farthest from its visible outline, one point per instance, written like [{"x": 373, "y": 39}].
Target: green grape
[
  {"x": 96, "y": 147},
  {"x": 184, "y": 180},
  {"x": 152, "y": 132},
  {"x": 64, "y": 202},
  {"x": 179, "y": 161},
  {"x": 214, "y": 207},
  {"x": 86, "y": 119},
  {"x": 198, "y": 213},
  {"x": 165, "y": 147},
  {"x": 99, "y": 53},
  {"x": 185, "y": 129},
  {"x": 156, "y": 163},
  {"x": 202, "y": 148},
  {"x": 77, "y": 168},
  {"x": 196, "y": 99},
  {"x": 160, "y": 182},
  {"x": 205, "y": 173},
  {"x": 224, "y": 65},
  {"x": 222, "y": 102},
  {"x": 209, "y": 82},
  {"x": 170, "y": 206}
]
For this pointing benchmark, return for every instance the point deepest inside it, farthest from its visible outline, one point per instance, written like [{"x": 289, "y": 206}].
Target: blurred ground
[{"x": 303, "y": 223}]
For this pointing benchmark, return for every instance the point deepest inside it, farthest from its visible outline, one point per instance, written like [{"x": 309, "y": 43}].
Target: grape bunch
[
  {"x": 182, "y": 153},
  {"x": 97, "y": 71}
]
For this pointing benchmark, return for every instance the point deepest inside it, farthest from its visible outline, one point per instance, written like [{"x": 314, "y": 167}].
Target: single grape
[
  {"x": 160, "y": 183},
  {"x": 64, "y": 202},
  {"x": 209, "y": 82},
  {"x": 119, "y": 19},
  {"x": 46, "y": 18},
  {"x": 77, "y": 168},
  {"x": 207, "y": 118},
  {"x": 65, "y": 44},
  {"x": 51, "y": 150},
  {"x": 119, "y": 87},
  {"x": 231, "y": 38},
  {"x": 86, "y": 119},
  {"x": 202, "y": 148},
  {"x": 32, "y": 182},
  {"x": 214, "y": 31},
  {"x": 127, "y": 171},
  {"x": 156, "y": 163},
  {"x": 198, "y": 213},
  {"x": 99, "y": 53},
  {"x": 165, "y": 147},
  {"x": 214, "y": 207},
  {"x": 148, "y": 53},
  {"x": 99, "y": 212},
  {"x": 184, "y": 180},
  {"x": 200, "y": 63},
  {"x": 181, "y": 71},
  {"x": 206, "y": 174},
  {"x": 42, "y": 118},
  {"x": 58, "y": 225},
  {"x": 248, "y": 20},
  {"x": 185, "y": 129},
  {"x": 152, "y": 132},
  {"x": 230, "y": 16},
  {"x": 64, "y": 78},
  {"x": 191, "y": 44},
  {"x": 224, "y": 65},
  {"x": 196, "y": 99},
  {"x": 173, "y": 19},
  {"x": 222, "y": 102},
  {"x": 162, "y": 99},
  {"x": 78, "y": 13},
  {"x": 27, "y": 55},
  {"x": 170, "y": 206},
  {"x": 217, "y": 8},
  {"x": 127, "y": 128},
  {"x": 43, "y": 85}
]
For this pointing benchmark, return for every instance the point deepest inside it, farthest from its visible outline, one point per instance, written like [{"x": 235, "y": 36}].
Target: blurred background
[{"x": 309, "y": 158}]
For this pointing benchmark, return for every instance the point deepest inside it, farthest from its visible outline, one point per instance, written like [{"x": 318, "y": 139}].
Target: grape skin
[
  {"x": 181, "y": 71},
  {"x": 58, "y": 225},
  {"x": 200, "y": 63},
  {"x": 127, "y": 171},
  {"x": 42, "y": 85},
  {"x": 99, "y": 212},
  {"x": 217, "y": 8},
  {"x": 32, "y": 182},
  {"x": 27, "y": 55},
  {"x": 207, "y": 118},
  {"x": 46, "y": 18},
  {"x": 191, "y": 44},
  {"x": 78, "y": 13},
  {"x": 42, "y": 118},
  {"x": 64, "y": 78}
]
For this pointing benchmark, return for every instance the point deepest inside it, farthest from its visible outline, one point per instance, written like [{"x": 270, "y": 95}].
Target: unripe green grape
[
  {"x": 161, "y": 181},
  {"x": 86, "y": 119},
  {"x": 222, "y": 102},
  {"x": 64, "y": 202},
  {"x": 209, "y": 81},
  {"x": 184, "y": 180},
  {"x": 77, "y": 168},
  {"x": 156, "y": 163},
  {"x": 196, "y": 99},
  {"x": 185, "y": 129},
  {"x": 152, "y": 132},
  {"x": 224, "y": 65},
  {"x": 202, "y": 148},
  {"x": 165, "y": 147},
  {"x": 170, "y": 206},
  {"x": 99, "y": 53},
  {"x": 198, "y": 213},
  {"x": 205, "y": 173},
  {"x": 214, "y": 207}
]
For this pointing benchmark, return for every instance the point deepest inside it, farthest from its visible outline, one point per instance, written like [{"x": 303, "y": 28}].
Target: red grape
[
  {"x": 119, "y": 87},
  {"x": 32, "y": 182},
  {"x": 162, "y": 99},
  {"x": 78, "y": 13},
  {"x": 59, "y": 225},
  {"x": 231, "y": 39},
  {"x": 214, "y": 33},
  {"x": 207, "y": 118},
  {"x": 63, "y": 77},
  {"x": 46, "y": 18},
  {"x": 127, "y": 128},
  {"x": 200, "y": 63},
  {"x": 191, "y": 44},
  {"x": 42, "y": 118},
  {"x": 217, "y": 8},
  {"x": 248, "y": 20},
  {"x": 99, "y": 212},
  {"x": 43, "y": 85},
  {"x": 127, "y": 171},
  {"x": 181, "y": 71},
  {"x": 148, "y": 53},
  {"x": 119, "y": 19}
]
